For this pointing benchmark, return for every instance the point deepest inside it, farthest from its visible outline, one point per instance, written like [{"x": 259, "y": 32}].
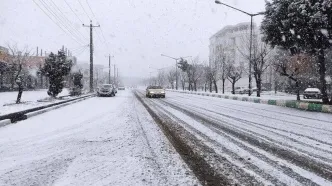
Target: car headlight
[{"x": 151, "y": 92}]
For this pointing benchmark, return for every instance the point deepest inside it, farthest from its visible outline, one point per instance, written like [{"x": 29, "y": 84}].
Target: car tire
[{"x": 304, "y": 97}]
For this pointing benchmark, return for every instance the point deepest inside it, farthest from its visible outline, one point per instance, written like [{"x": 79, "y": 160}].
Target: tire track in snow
[
  {"x": 295, "y": 158},
  {"x": 262, "y": 127}
]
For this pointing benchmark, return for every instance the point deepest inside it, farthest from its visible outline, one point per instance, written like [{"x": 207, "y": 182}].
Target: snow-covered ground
[
  {"x": 29, "y": 100},
  {"x": 99, "y": 141},
  {"x": 261, "y": 143}
]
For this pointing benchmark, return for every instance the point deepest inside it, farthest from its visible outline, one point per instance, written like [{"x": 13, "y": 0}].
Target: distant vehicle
[
  {"x": 106, "y": 90},
  {"x": 155, "y": 91},
  {"x": 122, "y": 88},
  {"x": 312, "y": 93},
  {"x": 240, "y": 90}
]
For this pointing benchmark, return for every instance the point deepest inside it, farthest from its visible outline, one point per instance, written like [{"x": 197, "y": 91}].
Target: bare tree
[
  {"x": 234, "y": 74},
  {"x": 260, "y": 58},
  {"x": 161, "y": 78},
  {"x": 208, "y": 79},
  {"x": 183, "y": 79},
  {"x": 294, "y": 67},
  {"x": 171, "y": 77},
  {"x": 220, "y": 66},
  {"x": 196, "y": 72},
  {"x": 18, "y": 60}
]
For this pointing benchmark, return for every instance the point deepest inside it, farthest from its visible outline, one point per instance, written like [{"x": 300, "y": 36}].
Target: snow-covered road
[
  {"x": 253, "y": 143},
  {"x": 99, "y": 141}
]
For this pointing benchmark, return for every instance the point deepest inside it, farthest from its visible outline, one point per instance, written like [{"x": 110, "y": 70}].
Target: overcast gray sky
[{"x": 136, "y": 32}]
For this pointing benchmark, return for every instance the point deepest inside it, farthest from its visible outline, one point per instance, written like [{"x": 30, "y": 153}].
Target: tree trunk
[
  {"x": 195, "y": 86},
  {"x": 275, "y": 87},
  {"x": 258, "y": 84},
  {"x": 210, "y": 85},
  {"x": 223, "y": 86},
  {"x": 297, "y": 90},
  {"x": 215, "y": 85},
  {"x": 19, "y": 95},
  {"x": 322, "y": 72},
  {"x": 233, "y": 87}
]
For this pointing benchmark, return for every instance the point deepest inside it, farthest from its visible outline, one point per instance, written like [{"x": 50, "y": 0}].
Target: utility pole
[
  {"x": 91, "y": 54},
  {"x": 109, "y": 68},
  {"x": 114, "y": 74},
  {"x": 41, "y": 52},
  {"x": 37, "y": 51}
]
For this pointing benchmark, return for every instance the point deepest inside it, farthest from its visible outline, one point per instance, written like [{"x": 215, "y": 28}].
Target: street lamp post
[
  {"x": 251, "y": 36},
  {"x": 176, "y": 67}
]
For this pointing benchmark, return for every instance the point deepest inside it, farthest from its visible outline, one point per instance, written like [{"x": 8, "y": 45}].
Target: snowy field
[
  {"x": 254, "y": 143},
  {"x": 29, "y": 100},
  {"x": 99, "y": 141}
]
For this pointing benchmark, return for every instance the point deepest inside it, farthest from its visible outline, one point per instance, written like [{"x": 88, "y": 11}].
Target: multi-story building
[
  {"x": 233, "y": 42},
  {"x": 229, "y": 42}
]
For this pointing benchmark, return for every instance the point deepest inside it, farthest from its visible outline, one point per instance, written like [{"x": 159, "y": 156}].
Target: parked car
[
  {"x": 122, "y": 88},
  {"x": 106, "y": 90},
  {"x": 155, "y": 91},
  {"x": 240, "y": 90},
  {"x": 312, "y": 93}
]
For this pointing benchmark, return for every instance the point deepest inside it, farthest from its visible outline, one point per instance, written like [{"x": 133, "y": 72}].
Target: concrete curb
[
  {"x": 35, "y": 113},
  {"x": 283, "y": 103},
  {"x": 5, "y": 122}
]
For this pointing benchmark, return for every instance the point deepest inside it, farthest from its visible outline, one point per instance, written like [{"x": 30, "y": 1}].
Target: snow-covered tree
[
  {"x": 18, "y": 59},
  {"x": 301, "y": 26},
  {"x": 295, "y": 67},
  {"x": 56, "y": 68}
]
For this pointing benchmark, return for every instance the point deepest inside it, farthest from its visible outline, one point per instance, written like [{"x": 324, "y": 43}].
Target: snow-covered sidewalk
[
  {"x": 99, "y": 141},
  {"x": 29, "y": 100}
]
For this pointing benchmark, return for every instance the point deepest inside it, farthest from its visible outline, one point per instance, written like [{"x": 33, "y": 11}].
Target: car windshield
[
  {"x": 166, "y": 92},
  {"x": 155, "y": 87},
  {"x": 107, "y": 86}
]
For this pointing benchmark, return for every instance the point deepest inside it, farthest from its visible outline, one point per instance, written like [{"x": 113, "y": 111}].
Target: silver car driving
[{"x": 106, "y": 90}]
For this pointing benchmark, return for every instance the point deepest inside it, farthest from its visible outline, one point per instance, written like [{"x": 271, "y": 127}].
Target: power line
[
  {"x": 79, "y": 52},
  {"x": 87, "y": 2},
  {"x": 91, "y": 9},
  {"x": 66, "y": 20},
  {"x": 73, "y": 11},
  {"x": 84, "y": 9},
  {"x": 74, "y": 38},
  {"x": 46, "y": 6}
]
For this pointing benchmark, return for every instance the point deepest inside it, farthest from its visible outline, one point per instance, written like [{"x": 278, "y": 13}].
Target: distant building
[
  {"x": 232, "y": 40},
  {"x": 100, "y": 74}
]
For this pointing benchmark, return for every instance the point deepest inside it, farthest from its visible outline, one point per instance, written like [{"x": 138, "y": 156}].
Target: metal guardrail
[{"x": 20, "y": 115}]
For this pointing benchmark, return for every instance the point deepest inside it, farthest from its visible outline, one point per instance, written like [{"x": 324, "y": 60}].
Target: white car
[
  {"x": 312, "y": 93},
  {"x": 155, "y": 91}
]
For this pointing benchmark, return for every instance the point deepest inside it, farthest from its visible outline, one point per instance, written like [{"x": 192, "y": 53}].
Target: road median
[{"x": 314, "y": 107}]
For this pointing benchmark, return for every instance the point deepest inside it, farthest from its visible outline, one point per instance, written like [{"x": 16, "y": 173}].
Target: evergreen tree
[
  {"x": 77, "y": 79},
  {"x": 56, "y": 68},
  {"x": 301, "y": 26}
]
